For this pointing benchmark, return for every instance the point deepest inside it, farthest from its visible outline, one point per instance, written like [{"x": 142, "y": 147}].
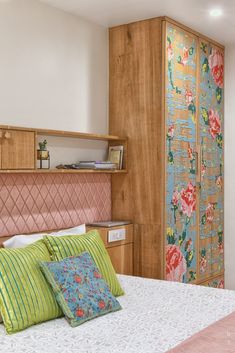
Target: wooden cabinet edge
[{"x": 174, "y": 22}]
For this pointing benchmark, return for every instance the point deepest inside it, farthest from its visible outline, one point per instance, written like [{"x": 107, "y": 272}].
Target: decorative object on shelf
[
  {"x": 43, "y": 145},
  {"x": 43, "y": 154},
  {"x": 116, "y": 155}
]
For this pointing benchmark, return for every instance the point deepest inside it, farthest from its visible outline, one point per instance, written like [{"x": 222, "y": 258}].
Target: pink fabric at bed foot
[{"x": 216, "y": 338}]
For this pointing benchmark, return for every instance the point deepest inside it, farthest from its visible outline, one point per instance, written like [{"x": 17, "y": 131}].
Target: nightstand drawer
[
  {"x": 122, "y": 258},
  {"x": 120, "y": 251},
  {"x": 108, "y": 236}
]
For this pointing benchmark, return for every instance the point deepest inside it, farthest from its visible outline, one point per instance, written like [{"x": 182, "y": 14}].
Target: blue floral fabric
[{"x": 79, "y": 288}]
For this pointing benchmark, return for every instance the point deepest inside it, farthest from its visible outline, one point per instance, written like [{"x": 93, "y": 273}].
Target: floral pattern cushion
[{"x": 79, "y": 288}]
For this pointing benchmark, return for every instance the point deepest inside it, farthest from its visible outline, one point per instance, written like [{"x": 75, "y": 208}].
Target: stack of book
[
  {"x": 96, "y": 165},
  {"x": 115, "y": 161}
]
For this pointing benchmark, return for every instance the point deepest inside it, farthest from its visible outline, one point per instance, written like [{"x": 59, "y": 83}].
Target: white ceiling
[{"x": 194, "y": 13}]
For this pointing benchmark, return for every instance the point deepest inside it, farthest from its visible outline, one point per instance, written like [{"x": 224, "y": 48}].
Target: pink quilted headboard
[{"x": 38, "y": 202}]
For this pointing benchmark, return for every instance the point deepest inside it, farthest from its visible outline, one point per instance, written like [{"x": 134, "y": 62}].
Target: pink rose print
[
  {"x": 221, "y": 284},
  {"x": 185, "y": 57},
  {"x": 175, "y": 264},
  {"x": 170, "y": 53},
  {"x": 203, "y": 264},
  {"x": 219, "y": 182},
  {"x": 214, "y": 123},
  {"x": 188, "y": 200},
  {"x": 188, "y": 97},
  {"x": 170, "y": 132},
  {"x": 216, "y": 64},
  {"x": 221, "y": 248},
  {"x": 210, "y": 212},
  {"x": 188, "y": 245},
  {"x": 203, "y": 169},
  {"x": 190, "y": 153},
  {"x": 175, "y": 198}
]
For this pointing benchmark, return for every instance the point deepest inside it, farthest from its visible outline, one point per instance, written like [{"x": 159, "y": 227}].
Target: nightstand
[{"x": 120, "y": 251}]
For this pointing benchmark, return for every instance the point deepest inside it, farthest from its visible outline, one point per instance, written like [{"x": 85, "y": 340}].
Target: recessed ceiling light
[{"x": 216, "y": 12}]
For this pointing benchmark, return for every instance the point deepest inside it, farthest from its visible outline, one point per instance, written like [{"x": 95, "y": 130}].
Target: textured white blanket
[{"x": 156, "y": 316}]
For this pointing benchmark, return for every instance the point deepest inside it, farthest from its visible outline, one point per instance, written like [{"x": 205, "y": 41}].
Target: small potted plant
[{"x": 43, "y": 153}]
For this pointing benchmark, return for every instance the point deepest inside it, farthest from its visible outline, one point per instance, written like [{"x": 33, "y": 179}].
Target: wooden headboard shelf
[
  {"x": 18, "y": 149},
  {"x": 62, "y": 133}
]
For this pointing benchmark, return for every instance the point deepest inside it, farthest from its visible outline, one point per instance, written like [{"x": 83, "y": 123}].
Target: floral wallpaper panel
[
  {"x": 181, "y": 231},
  {"x": 211, "y": 101}
]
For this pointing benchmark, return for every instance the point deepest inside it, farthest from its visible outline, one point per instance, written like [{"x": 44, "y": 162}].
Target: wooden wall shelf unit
[
  {"x": 61, "y": 171},
  {"x": 18, "y": 147}
]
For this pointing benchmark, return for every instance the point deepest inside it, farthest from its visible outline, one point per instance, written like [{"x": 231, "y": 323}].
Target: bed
[{"x": 156, "y": 316}]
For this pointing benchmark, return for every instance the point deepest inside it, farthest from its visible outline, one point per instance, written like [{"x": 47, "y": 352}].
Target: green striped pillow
[
  {"x": 61, "y": 247},
  {"x": 25, "y": 297}
]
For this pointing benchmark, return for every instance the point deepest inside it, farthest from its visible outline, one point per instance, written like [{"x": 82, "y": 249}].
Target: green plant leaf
[
  {"x": 182, "y": 237},
  {"x": 219, "y": 140},
  {"x": 170, "y": 158},
  {"x": 205, "y": 115},
  {"x": 218, "y": 93},
  {"x": 189, "y": 258},
  {"x": 205, "y": 65},
  {"x": 203, "y": 220}
]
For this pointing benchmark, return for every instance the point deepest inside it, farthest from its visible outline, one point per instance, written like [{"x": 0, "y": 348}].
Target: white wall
[
  {"x": 54, "y": 75},
  {"x": 230, "y": 167},
  {"x": 53, "y": 68}
]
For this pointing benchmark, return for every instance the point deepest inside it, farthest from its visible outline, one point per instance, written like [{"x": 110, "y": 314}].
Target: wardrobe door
[
  {"x": 181, "y": 156},
  {"x": 211, "y": 99}
]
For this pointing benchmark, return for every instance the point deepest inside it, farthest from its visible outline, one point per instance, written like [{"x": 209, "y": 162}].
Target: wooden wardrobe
[{"x": 167, "y": 96}]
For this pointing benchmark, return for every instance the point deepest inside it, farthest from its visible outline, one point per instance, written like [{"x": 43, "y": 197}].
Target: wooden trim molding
[
  {"x": 178, "y": 24},
  {"x": 74, "y": 134}
]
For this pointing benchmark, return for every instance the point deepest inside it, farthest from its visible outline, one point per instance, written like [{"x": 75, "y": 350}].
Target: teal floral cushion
[{"x": 79, "y": 288}]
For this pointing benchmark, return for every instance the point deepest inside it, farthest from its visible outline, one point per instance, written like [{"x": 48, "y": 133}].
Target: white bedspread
[{"x": 156, "y": 316}]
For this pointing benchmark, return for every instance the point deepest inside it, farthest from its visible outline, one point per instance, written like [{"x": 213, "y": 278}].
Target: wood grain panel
[
  {"x": 122, "y": 258},
  {"x": 135, "y": 111},
  {"x": 120, "y": 252},
  {"x": 148, "y": 251},
  {"x": 18, "y": 150}
]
